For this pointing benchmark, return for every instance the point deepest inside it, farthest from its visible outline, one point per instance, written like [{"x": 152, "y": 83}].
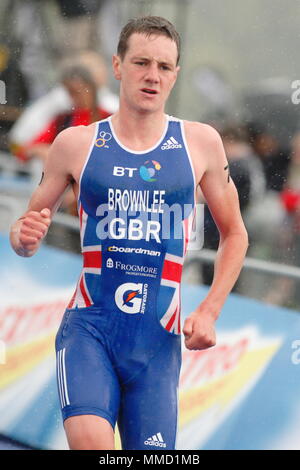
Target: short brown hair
[{"x": 148, "y": 25}]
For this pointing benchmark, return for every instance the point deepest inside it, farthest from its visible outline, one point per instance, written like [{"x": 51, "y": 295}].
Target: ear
[
  {"x": 175, "y": 75},
  {"x": 177, "y": 71},
  {"x": 116, "y": 62}
]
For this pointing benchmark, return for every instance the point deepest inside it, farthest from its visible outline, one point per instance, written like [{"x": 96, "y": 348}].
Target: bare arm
[
  {"x": 222, "y": 199},
  {"x": 28, "y": 231}
]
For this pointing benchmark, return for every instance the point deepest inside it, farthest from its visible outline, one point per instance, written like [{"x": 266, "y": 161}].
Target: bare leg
[{"x": 89, "y": 432}]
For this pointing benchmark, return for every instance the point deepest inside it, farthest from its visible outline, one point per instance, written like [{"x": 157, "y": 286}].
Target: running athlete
[{"x": 119, "y": 343}]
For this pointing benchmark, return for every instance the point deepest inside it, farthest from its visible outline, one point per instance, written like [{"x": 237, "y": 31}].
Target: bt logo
[
  {"x": 146, "y": 171},
  {"x": 121, "y": 171},
  {"x": 149, "y": 169}
]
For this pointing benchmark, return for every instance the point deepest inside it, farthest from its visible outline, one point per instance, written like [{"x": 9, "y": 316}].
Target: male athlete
[{"x": 118, "y": 346}]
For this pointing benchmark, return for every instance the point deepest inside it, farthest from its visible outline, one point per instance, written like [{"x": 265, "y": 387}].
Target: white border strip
[
  {"x": 92, "y": 270},
  {"x": 189, "y": 157},
  {"x": 61, "y": 378},
  {"x": 58, "y": 379},
  {"x": 92, "y": 248},
  {"x": 63, "y": 403},
  {"x": 64, "y": 377},
  {"x": 174, "y": 258},
  {"x": 88, "y": 157},
  {"x": 140, "y": 152}
]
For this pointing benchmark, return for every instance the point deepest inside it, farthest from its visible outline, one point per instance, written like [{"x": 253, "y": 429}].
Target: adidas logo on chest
[{"x": 171, "y": 144}]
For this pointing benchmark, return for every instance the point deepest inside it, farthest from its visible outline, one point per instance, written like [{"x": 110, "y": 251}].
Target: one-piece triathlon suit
[{"x": 119, "y": 344}]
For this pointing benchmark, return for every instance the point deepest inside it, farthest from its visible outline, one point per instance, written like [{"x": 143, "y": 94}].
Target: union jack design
[
  {"x": 92, "y": 264},
  {"x": 171, "y": 277}
]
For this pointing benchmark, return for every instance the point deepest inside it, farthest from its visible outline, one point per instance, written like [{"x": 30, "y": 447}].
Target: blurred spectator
[
  {"x": 274, "y": 158},
  {"x": 79, "y": 25},
  {"x": 247, "y": 174},
  {"x": 283, "y": 291},
  {"x": 26, "y": 22},
  {"x": 83, "y": 92},
  {"x": 77, "y": 8},
  {"x": 39, "y": 115},
  {"x": 290, "y": 197},
  {"x": 15, "y": 90}
]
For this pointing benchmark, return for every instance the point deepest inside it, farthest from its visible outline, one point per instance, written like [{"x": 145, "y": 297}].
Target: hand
[
  {"x": 33, "y": 228},
  {"x": 199, "y": 330}
]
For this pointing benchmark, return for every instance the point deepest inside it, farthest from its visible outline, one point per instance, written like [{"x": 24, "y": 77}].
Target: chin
[{"x": 149, "y": 108}]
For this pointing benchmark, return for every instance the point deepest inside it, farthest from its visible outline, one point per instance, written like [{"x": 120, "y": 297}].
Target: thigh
[
  {"x": 149, "y": 404},
  {"x": 89, "y": 432},
  {"x": 86, "y": 380}
]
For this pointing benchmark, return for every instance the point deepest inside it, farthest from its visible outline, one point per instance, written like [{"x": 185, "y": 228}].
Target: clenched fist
[
  {"x": 199, "y": 331},
  {"x": 32, "y": 228}
]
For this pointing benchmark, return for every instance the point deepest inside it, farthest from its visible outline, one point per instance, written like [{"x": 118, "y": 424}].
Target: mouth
[{"x": 149, "y": 91}]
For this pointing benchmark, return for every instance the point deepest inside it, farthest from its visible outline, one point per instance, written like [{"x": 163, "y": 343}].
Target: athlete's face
[{"x": 147, "y": 72}]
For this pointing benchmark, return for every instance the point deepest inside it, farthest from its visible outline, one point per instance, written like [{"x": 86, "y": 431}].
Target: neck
[{"x": 138, "y": 130}]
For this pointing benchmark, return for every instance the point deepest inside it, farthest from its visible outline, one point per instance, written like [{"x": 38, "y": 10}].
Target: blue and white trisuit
[{"x": 119, "y": 343}]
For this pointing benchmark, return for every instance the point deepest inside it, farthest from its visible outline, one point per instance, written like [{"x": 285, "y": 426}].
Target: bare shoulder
[
  {"x": 205, "y": 147},
  {"x": 202, "y": 134},
  {"x": 69, "y": 150},
  {"x": 73, "y": 138}
]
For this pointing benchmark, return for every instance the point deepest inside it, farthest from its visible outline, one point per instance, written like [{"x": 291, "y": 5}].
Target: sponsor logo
[
  {"x": 136, "y": 270},
  {"x": 109, "y": 263},
  {"x": 149, "y": 169},
  {"x": 171, "y": 144},
  {"x": 123, "y": 171},
  {"x": 103, "y": 139},
  {"x": 138, "y": 251},
  {"x": 131, "y": 297},
  {"x": 155, "y": 440}
]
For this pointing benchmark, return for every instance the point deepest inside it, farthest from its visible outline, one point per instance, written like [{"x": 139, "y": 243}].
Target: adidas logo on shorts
[
  {"x": 171, "y": 144},
  {"x": 156, "y": 440}
]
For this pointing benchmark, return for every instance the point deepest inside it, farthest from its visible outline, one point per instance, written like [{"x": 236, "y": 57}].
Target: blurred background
[{"x": 239, "y": 72}]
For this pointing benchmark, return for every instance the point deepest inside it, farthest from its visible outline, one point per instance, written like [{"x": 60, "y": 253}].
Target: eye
[{"x": 165, "y": 67}]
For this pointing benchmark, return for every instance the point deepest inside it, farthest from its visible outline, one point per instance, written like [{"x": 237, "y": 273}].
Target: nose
[{"x": 152, "y": 73}]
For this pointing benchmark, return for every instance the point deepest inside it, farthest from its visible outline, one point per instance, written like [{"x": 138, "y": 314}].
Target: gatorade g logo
[{"x": 131, "y": 297}]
